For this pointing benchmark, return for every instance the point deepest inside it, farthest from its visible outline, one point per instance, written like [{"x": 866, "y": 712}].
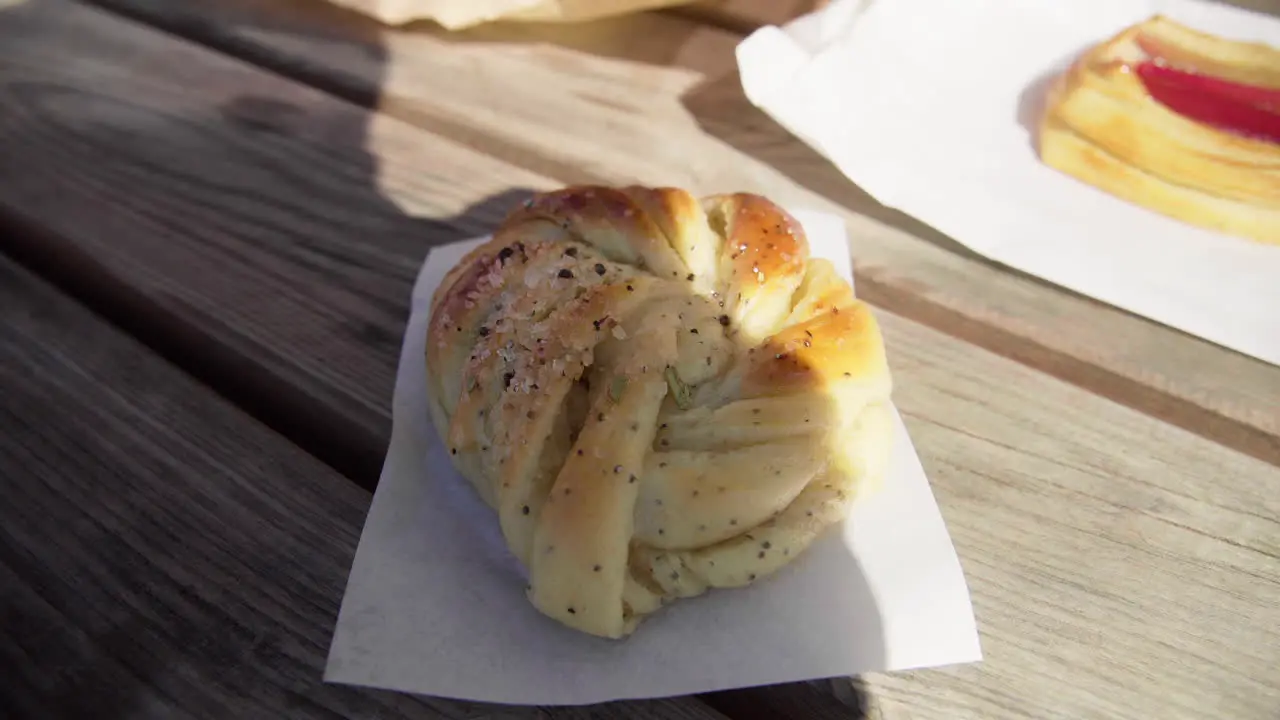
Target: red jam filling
[
  {"x": 1247, "y": 110},
  {"x": 1241, "y": 109}
]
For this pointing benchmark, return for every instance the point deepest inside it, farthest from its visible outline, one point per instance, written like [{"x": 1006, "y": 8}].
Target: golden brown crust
[
  {"x": 1102, "y": 127},
  {"x": 658, "y": 395}
]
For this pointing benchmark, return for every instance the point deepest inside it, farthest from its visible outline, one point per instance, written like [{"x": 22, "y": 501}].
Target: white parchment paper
[
  {"x": 435, "y": 603},
  {"x": 927, "y": 105}
]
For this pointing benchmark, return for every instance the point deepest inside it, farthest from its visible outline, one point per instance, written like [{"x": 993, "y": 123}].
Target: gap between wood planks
[
  {"x": 337, "y": 440},
  {"x": 164, "y": 555},
  {"x": 1259, "y": 441}
]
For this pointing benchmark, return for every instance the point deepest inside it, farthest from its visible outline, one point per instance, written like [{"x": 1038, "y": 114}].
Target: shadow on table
[
  {"x": 278, "y": 187},
  {"x": 262, "y": 187},
  {"x": 723, "y": 111}
]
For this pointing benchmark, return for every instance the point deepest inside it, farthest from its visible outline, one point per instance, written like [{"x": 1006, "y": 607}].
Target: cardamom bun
[{"x": 657, "y": 394}]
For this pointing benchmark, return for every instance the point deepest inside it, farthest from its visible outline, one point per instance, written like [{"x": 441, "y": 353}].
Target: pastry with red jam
[{"x": 1175, "y": 120}]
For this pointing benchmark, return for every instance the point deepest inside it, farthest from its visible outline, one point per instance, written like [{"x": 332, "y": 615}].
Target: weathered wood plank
[
  {"x": 294, "y": 302},
  {"x": 1120, "y": 567},
  {"x": 162, "y": 554},
  {"x": 539, "y": 97},
  {"x": 133, "y": 148},
  {"x": 1078, "y": 520}
]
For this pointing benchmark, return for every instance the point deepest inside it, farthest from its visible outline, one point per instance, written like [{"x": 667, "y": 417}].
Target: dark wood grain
[
  {"x": 161, "y": 554},
  {"x": 164, "y": 555},
  {"x": 241, "y": 232},
  {"x": 243, "y": 209},
  {"x": 160, "y": 198},
  {"x": 312, "y": 352}
]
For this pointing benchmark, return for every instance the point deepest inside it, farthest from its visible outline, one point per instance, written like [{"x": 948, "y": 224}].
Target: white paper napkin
[
  {"x": 435, "y": 603},
  {"x": 926, "y": 105}
]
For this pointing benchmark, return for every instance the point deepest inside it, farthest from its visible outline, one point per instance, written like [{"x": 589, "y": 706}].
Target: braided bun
[{"x": 657, "y": 395}]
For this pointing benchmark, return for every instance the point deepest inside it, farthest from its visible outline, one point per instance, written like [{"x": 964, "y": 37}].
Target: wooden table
[{"x": 211, "y": 213}]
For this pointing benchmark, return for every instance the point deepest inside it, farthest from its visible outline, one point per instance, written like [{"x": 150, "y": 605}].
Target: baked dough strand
[{"x": 657, "y": 394}]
